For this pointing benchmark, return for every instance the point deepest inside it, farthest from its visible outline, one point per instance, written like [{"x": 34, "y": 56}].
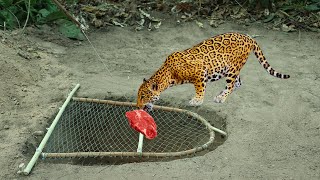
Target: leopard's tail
[{"x": 262, "y": 60}]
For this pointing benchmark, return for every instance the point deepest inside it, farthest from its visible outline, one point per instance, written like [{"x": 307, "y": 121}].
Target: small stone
[
  {"x": 24, "y": 89},
  {"x": 215, "y": 23},
  {"x": 38, "y": 133},
  {"x": 78, "y": 43},
  {"x": 316, "y": 24},
  {"x": 24, "y": 129},
  {"x": 62, "y": 87},
  {"x": 24, "y": 55},
  {"x": 2, "y": 112},
  {"x": 21, "y": 166},
  {"x": 276, "y": 28},
  {"x": 266, "y": 12},
  {"x": 286, "y": 28},
  {"x": 6, "y": 127},
  {"x": 247, "y": 20},
  {"x": 97, "y": 22},
  {"x": 200, "y": 24}
]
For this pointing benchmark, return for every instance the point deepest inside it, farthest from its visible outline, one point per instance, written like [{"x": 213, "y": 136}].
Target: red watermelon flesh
[{"x": 142, "y": 122}]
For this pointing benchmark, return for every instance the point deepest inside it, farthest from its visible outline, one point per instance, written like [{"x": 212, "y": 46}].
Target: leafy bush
[{"x": 13, "y": 13}]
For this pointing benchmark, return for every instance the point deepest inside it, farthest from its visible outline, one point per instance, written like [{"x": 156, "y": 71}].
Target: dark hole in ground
[{"x": 82, "y": 134}]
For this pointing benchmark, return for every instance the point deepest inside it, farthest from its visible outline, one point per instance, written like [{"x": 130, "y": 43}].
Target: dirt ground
[{"x": 273, "y": 124}]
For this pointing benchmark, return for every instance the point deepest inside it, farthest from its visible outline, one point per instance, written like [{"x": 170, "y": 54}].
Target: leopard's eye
[{"x": 142, "y": 96}]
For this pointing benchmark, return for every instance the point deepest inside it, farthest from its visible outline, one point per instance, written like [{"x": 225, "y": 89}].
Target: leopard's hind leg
[{"x": 231, "y": 79}]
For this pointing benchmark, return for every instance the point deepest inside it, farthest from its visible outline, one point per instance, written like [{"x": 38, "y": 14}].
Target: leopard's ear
[
  {"x": 144, "y": 79},
  {"x": 154, "y": 86}
]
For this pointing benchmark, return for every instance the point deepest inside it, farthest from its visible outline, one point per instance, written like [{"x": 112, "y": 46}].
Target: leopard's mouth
[{"x": 148, "y": 107}]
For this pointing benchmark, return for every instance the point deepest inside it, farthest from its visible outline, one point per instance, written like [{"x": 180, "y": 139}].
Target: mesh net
[{"x": 99, "y": 127}]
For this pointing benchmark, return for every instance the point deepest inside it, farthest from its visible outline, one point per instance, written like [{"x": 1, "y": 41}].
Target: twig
[
  {"x": 280, "y": 22},
  {"x": 284, "y": 13},
  {"x": 246, "y": 10},
  {"x": 67, "y": 13},
  {"x": 200, "y": 4},
  {"x": 15, "y": 17},
  {"x": 315, "y": 15},
  {"x": 25, "y": 24},
  {"x": 256, "y": 35}
]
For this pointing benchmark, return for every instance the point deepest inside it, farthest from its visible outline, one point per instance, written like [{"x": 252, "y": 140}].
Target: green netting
[{"x": 91, "y": 127}]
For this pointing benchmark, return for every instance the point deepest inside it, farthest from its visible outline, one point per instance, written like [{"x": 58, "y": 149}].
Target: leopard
[{"x": 221, "y": 56}]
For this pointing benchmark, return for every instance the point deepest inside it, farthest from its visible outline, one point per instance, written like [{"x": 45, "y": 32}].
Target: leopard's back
[{"x": 228, "y": 51}]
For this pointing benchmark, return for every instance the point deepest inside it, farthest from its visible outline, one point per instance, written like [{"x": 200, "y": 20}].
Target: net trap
[{"x": 86, "y": 128}]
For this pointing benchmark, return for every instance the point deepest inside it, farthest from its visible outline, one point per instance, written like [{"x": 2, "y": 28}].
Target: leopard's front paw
[
  {"x": 195, "y": 102},
  {"x": 219, "y": 99}
]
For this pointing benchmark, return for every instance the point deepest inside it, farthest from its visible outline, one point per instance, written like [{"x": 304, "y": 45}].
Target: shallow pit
[{"x": 93, "y": 131}]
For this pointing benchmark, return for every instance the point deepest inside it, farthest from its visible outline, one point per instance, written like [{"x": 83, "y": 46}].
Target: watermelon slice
[{"x": 142, "y": 122}]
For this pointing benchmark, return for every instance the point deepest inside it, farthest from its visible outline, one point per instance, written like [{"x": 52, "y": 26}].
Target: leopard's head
[{"x": 147, "y": 94}]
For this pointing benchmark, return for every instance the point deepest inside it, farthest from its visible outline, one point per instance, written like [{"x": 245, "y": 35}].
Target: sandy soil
[{"x": 273, "y": 124}]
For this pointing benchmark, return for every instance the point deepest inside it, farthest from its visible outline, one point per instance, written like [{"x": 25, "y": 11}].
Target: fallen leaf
[{"x": 199, "y": 24}]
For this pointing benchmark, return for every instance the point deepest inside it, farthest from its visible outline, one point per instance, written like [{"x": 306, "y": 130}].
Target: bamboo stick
[
  {"x": 127, "y": 154},
  {"x": 140, "y": 144},
  {"x": 36, "y": 155}
]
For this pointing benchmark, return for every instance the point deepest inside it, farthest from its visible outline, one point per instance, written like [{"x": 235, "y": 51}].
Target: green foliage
[
  {"x": 260, "y": 3},
  {"x": 301, "y": 5},
  {"x": 70, "y": 30},
  {"x": 286, "y": 5},
  {"x": 10, "y": 13},
  {"x": 14, "y": 12},
  {"x": 314, "y": 6}
]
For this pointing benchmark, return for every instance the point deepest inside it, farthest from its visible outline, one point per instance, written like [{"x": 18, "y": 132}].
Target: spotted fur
[{"x": 220, "y": 56}]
